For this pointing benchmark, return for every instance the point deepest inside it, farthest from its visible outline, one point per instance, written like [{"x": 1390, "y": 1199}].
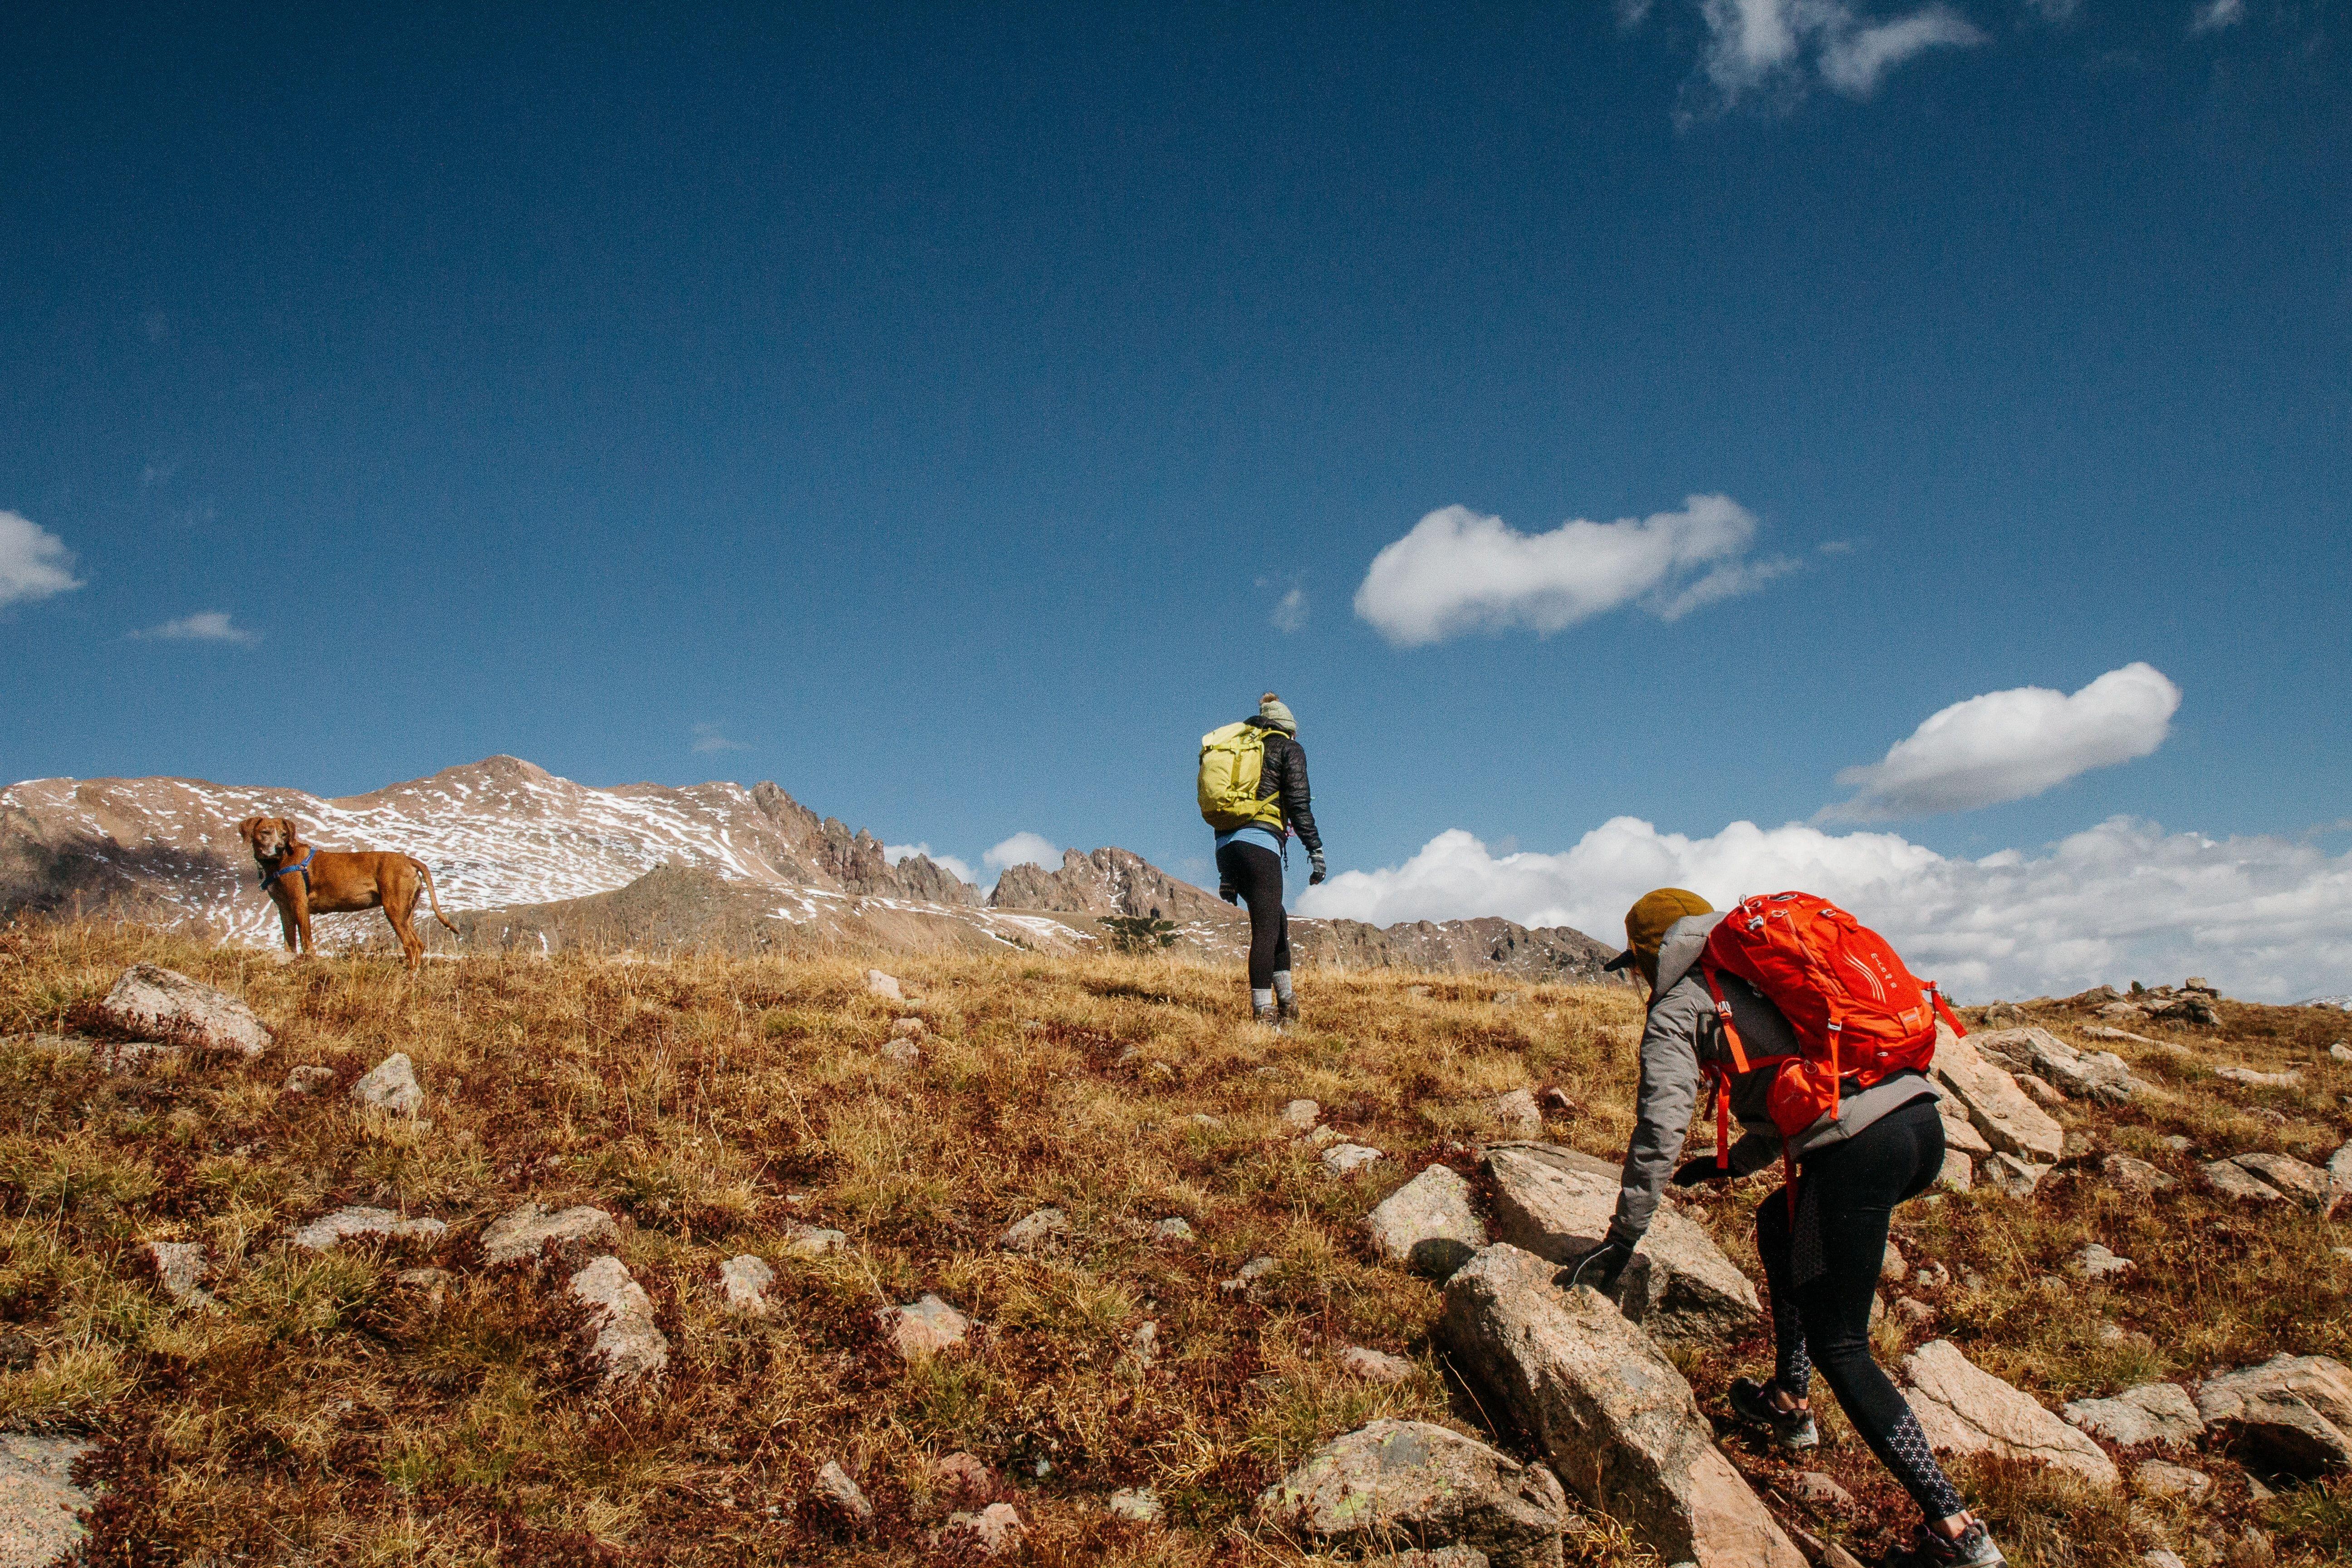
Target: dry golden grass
[{"x": 325, "y": 1412}]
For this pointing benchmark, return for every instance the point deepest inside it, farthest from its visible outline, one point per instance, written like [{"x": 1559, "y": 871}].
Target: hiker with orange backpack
[
  {"x": 1253, "y": 791},
  {"x": 1805, "y": 1028}
]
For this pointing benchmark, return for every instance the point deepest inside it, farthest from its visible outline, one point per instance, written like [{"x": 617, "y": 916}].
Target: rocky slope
[{"x": 523, "y": 859}]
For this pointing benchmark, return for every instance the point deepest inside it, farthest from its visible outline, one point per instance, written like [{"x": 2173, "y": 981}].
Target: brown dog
[{"x": 304, "y": 881}]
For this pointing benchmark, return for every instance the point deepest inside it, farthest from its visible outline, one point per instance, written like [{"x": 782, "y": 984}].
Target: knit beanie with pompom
[{"x": 1271, "y": 708}]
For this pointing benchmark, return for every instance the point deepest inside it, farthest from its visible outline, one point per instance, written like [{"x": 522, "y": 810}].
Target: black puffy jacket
[{"x": 1284, "y": 775}]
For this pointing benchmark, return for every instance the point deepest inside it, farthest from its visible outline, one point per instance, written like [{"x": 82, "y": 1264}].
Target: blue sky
[{"x": 940, "y": 405}]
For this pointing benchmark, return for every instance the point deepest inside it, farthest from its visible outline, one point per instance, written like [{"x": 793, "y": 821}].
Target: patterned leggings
[{"x": 1823, "y": 1269}]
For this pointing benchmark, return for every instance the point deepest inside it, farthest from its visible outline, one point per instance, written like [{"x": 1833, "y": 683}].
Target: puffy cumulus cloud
[
  {"x": 1784, "y": 44},
  {"x": 894, "y": 852},
  {"x": 34, "y": 563},
  {"x": 1458, "y": 572},
  {"x": 2264, "y": 918},
  {"x": 206, "y": 625},
  {"x": 1024, "y": 849},
  {"x": 2006, "y": 745}
]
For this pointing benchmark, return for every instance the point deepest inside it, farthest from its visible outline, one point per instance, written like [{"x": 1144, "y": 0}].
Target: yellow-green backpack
[{"x": 1232, "y": 761}]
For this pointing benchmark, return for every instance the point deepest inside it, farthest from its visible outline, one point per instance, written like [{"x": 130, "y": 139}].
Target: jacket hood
[{"x": 1678, "y": 954}]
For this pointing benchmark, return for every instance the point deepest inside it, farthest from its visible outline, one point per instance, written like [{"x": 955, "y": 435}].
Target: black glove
[
  {"x": 1599, "y": 1268},
  {"x": 1225, "y": 891},
  {"x": 1692, "y": 1172},
  {"x": 1315, "y": 859}
]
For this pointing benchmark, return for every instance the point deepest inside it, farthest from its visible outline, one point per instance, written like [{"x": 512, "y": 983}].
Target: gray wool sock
[
  {"x": 1282, "y": 983},
  {"x": 1261, "y": 999}
]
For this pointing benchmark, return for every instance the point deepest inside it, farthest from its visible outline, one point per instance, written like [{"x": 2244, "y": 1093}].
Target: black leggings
[
  {"x": 1823, "y": 1268},
  {"x": 1256, "y": 872}
]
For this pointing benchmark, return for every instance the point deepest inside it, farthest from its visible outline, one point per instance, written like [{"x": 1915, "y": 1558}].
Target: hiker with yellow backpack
[
  {"x": 1804, "y": 1026},
  {"x": 1253, "y": 791}
]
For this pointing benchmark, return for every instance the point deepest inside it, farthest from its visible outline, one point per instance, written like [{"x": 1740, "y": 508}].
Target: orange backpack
[{"x": 1857, "y": 1013}]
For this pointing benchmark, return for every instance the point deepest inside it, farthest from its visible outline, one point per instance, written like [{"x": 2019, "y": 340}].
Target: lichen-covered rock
[
  {"x": 629, "y": 1345},
  {"x": 2232, "y": 1180},
  {"x": 390, "y": 1087},
  {"x": 1346, "y": 1159},
  {"x": 1427, "y": 1223},
  {"x": 2102, "y": 1076},
  {"x": 992, "y": 1531},
  {"x": 309, "y": 1078},
  {"x": 2307, "y": 1184},
  {"x": 813, "y": 1241},
  {"x": 884, "y": 985},
  {"x": 151, "y": 1002},
  {"x": 1958, "y": 1175},
  {"x": 2152, "y": 1413},
  {"x": 2007, "y": 1173},
  {"x": 1376, "y": 1366},
  {"x": 837, "y": 1494},
  {"x": 1137, "y": 1505},
  {"x": 743, "y": 1282},
  {"x": 1300, "y": 1116},
  {"x": 1610, "y": 1412},
  {"x": 40, "y": 1507},
  {"x": 1514, "y": 1114},
  {"x": 522, "y": 1234},
  {"x": 1036, "y": 1231},
  {"x": 322, "y": 1233},
  {"x": 1965, "y": 1410},
  {"x": 1410, "y": 1483},
  {"x": 1996, "y": 1108},
  {"x": 2297, "y": 1410},
  {"x": 2136, "y": 1175},
  {"x": 2094, "y": 1263},
  {"x": 180, "y": 1268},
  {"x": 923, "y": 1328}
]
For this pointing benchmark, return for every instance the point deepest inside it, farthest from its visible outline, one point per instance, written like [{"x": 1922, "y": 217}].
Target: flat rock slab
[
  {"x": 2136, "y": 1175},
  {"x": 1411, "y": 1484},
  {"x": 2232, "y": 1180},
  {"x": 630, "y": 1346},
  {"x": 322, "y": 1233},
  {"x": 40, "y": 1508},
  {"x": 180, "y": 1268},
  {"x": 151, "y": 1002},
  {"x": 1346, "y": 1159},
  {"x": 814, "y": 1241},
  {"x": 1376, "y": 1366},
  {"x": 2102, "y": 1076},
  {"x": 2095, "y": 1263},
  {"x": 1996, "y": 1108},
  {"x": 1427, "y": 1223},
  {"x": 1965, "y": 1410},
  {"x": 2007, "y": 1173},
  {"x": 1036, "y": 1232},
  {"x": 1959, "y": 1173},
  {"x": 1959, "y": 1133},
  {"x": 1516, "y": 1115},
  {"x": 1300, "y": 1116},
  {"x": 390, "y": 1087},
  {"x": 2152, "y": 1413},
  {"x": 1609, "y": 1411},
  {"x": 884, "y": 985},
  {"x": 2307, "y": 1184},
  {"x": 2255, "y": 1079},
  {"x": 1679, "y": 1285},
  {"x": 923, "y": 1328},
  {"x": 521, "y": 1234},
  {"x": 2297, "y": 1410}
]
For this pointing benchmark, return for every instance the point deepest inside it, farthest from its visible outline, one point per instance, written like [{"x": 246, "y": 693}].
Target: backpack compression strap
[{"x": 1723, "y": 1081}]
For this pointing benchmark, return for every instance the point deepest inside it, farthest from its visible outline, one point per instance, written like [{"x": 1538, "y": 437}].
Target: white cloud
[
  {"x": 2216, "y": 15},
  {"x": 34, "y": 563},
  {"x": 894, "y": 852},
  {"x": 2008, "y": 745},
  {"x": 2263, "y": 918},
  {"x": 206, "y": 625},
  {"x": 1755, "y": 45},
  {"x": 1458, "y": 572},
  {"x": 708, "y": 738},
  {"x": 1291, "y": 611},
  {"x": 1029, "y": 848}
]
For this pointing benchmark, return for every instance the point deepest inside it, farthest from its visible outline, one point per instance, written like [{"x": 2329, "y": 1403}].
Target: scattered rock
[
  {"x": 1964, "y": 1410},
  {"x": 1930, "y": 1277},
  {"x": 310, "y": 1079},
  {"x": 1247, "y": 1276},
  {"x": 1144, "y": 1344},
  {"x": 524, "y": 1233},
  {"x": 1175, "y": 1227},
  {"x": 1556, "y": 1204},
  {"x": 390, "y": 1087},
  {"x": 2101, "y": 1032},
  {"x": 1555, "y": 1100},
  {"x": 2313, "y": 1187},
  {"x": 813, "y": 1241},
  {"x": 1959, "y": 1133},
  {"x": 884, "y": 985},
  {"x": 2136, "y": 1175},
  {"x": 837, "y": 1494},
  {"x": 2152, "y": 1413},
  {"x": 2095, "y": 1263},
  {"x": 2007, "y": 1173},
  {"x": 2157, "y": 1478},
  {"x": 1300, "y": 1115},
  {"x": 1345, "y": 1159},
  {"x": 2161, "y": 1557},
  {"x": 1419, "y": 991},
  {"x": 1427, "y": 1223},
  {"x": 2253, "y": 1548},
  {"x": 628, "y": 1341},
  {"x": 1138, "y": 1505},
  {"x": 2041, "y": 1093},
  {"x": 40, "y": 1507},
  {"x": 2011, "y": 1124},
  {"x": 1455, "y": 1556},
  {"x": 2004, "y": 1015},
  {"x": 963, "y": 1477},
  {"x": 1609, "y": 1411},
  {"x": 901, "y": 1053},
  {"x": 321, "y": 1234},
  {"x": 2101, "y": 1076},
  {"x": 2340, "y": 1051},
  {"x": 1514, "y": 1114},
  {"x": 2197, "y": 1010},
  {"x": 743, "y": 1280},
  {"x": 1202, "y": 1118},
  {"x": 1822, "y": 1492},
  {"x": 2294, "y": 1410},
  {"x": 1892, "y": 1269},
  {"x": 2253, "y": 1079},
  {"x": 1038, "y": 1232},
  {"x": 1914, "y": 1314},
  {"x": 180, "y": 1268},
  {"x": 152, "y": 1003},
  {"x": 2339, "y": 1168},
  {"x": 2232, "y": 1180},
  {"x": 434, "y": 1282},
  {"x": 1376, "y": 1366},
  {"x": 907, "y": 1029},
  {"x": 992, "y": 1531},
  {"x": 923, "y": 1328},
  {"x": 1958, "y": 1175},
  {"x": 1409, "y": 1482}
]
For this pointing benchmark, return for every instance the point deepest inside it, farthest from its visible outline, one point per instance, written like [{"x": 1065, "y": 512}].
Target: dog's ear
[
  {"x": 247, "y": 828},
  {"x": 293, "y": 829}
]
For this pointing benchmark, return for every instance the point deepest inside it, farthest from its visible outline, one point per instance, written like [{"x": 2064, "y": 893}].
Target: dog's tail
[{"x": 426, "y": 872}]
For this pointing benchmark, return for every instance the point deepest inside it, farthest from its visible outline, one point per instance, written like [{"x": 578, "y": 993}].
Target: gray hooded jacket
[{"x": 1681, "y": 1039}]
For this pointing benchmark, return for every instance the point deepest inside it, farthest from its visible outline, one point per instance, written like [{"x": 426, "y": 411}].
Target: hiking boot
[
  {"x": 1752, "y": 1402},
  {"x": 1974, "y": 1548},
  {"x": 1285, "y": 1011},
  {"x": 1270, "y": 1015}
]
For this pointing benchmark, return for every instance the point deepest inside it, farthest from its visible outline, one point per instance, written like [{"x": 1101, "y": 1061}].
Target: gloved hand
[
  {"x": 1225, "y": 891},
  {"x": 1315, "y": 859},
  {"x": 1599, "y": 1268},
  {"x": 1692, "y": 1172}
]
